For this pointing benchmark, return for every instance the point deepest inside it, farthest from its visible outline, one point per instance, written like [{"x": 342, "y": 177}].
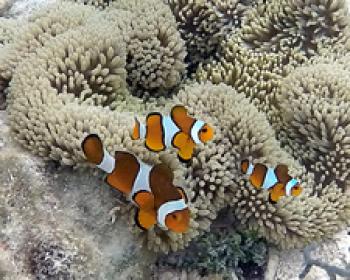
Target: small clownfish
[
  {"x": 150, "y": 188},
  {"x": 276, "y": 180},
  {"x": 176, "y": 130}
]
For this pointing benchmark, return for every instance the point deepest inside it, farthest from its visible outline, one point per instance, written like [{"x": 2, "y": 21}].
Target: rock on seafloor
[
  {"x": 170, "y": 274},
  {"x": 21, "y": 8},
  {"x": 5, "y": 5},
  {"x": 325, "y": 261},
  {"x": 54, "y": 223}
]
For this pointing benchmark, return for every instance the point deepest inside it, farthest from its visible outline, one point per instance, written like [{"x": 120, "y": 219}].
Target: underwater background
[{"x": 272, "y": 77}]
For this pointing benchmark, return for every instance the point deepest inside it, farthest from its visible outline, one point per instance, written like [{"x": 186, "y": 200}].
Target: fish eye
[
  {"x": 204, "y": 130},
  {"x": 174, "y": 216}
]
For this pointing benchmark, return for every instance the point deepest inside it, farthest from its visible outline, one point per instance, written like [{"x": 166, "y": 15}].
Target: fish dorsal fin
[
  {"x": 182, "y": 192},
  {"x": 163, "y": 172},
  {"x": 154, "y": 132},
  {"x": 161, "y": 182},
  {"x": 123, "y": 176},
  {"x": 145, "y": 219},
  {"x": 181, "y": 118},
  {"x": 281, "y": 172}
]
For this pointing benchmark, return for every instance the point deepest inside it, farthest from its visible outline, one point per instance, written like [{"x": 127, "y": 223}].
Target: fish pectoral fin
[
  {"x": 281, "y": 172},
  {"x": 276, "y": 192},
  {"x": 144, "y": 199},
  {"x": 145, "y": 219},
  {"x": 185, "y": 145},
  {"x": 182, "y": 193},
  {"x": 185, "y": 155}
]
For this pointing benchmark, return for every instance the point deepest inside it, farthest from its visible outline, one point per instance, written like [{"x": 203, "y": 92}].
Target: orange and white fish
[
  {"x": 150, "y": 188},
  {"x": 177, "y": 130},
  {"x": 276, "y": 180}
]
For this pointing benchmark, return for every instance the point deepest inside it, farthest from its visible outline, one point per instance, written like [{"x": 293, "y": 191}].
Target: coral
[
  {"x": 41, "y": 26},
  {"x": 315, "y": 104},
  {"x": 220, "y": 252},
  {"x": 281, "y": 25},
  {"x": 204, "y": 24},
  {"x": 156, "y": 52},
  {"x": 50, "y": 261}
]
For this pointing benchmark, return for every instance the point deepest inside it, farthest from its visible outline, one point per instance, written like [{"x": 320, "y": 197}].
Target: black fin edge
[
  {"x": 186, "y": 161},
  {"x": 271, "y": 201},
  {"x": 137, "y": 221},
  {"x": 155, "y": 151},
  {"x": 183, "y": 191}
]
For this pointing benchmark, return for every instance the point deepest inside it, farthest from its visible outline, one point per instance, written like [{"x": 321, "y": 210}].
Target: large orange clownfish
[
  {"x": 177, "y": 130},
  {"x": 276, "y": 180},
  {"x": 150, "y": 188}
]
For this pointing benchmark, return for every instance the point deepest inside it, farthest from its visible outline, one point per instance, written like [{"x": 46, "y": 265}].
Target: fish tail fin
[
  {"x": 139, "y": 130},
  {"x": 93, "y": 149},
  {"x": 136, "y": 130}
]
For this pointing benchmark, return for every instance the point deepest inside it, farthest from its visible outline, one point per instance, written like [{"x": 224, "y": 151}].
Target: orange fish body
[
  {"x": 150, "y": 188},
  {"x": 177, "y": 130},
  {"x": 276, "y": 180}
]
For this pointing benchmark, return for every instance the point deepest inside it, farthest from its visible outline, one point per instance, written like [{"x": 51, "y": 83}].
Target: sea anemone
[
  {"x": 281, "y": 25},
  {"x": 204, "y": 24}
]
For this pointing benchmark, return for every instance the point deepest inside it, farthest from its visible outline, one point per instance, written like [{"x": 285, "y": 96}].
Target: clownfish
[
  {"x": 276, "y": 180},
  {"x": 177, "y": 130},
  {"x": 148, "y": 187}
]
